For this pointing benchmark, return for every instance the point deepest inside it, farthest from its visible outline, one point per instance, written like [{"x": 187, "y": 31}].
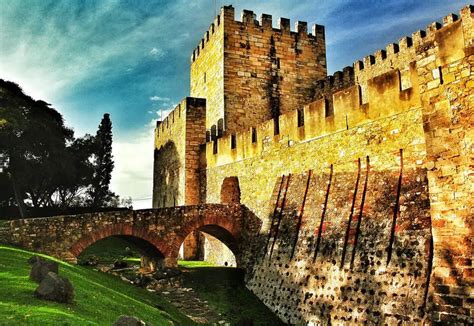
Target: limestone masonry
[{"x": 363, "y": 180}]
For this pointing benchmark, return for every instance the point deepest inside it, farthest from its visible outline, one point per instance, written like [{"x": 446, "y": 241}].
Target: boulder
[
  {"x": 55, "y": 288},
  {"x": 129, "y": 321},
  {"x": 41, "y": 267}
]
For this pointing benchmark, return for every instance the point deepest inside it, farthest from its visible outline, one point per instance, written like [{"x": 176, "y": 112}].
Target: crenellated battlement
[
  {"x": 379, "y": 86},
  {"x": 176, "y": 123},
  {"x": 249, "y": 19},
  {"x": 335, "y": 82},
  {"x": 165, "y": 127},
  {"x": 319, "y": 118},
  {"x": 398, "y": 55}
]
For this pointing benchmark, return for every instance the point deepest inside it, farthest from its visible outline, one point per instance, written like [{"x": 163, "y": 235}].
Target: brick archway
[
  {"x": 121, "y": 229},
  {"x": 223, "y": 228}
]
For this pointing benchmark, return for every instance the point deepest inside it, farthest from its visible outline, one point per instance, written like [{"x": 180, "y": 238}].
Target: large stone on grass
[
  {"x": 55, "y": 288},
  {"x": 41, "y": 267},
  {"x": 129, "y": 321}
]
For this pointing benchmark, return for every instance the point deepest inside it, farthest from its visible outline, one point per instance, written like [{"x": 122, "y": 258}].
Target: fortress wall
[
  {"x": 424, "y": 109},
  {"x": 334, "y": 292},
  {"x": 318, "y": 120},
  {"x": 319, "y": 268},
  {"x": 446, "y": 68},
  {"x": 176, "y": 162}
]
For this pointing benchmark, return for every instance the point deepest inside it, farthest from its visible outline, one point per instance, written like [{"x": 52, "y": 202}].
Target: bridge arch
[
  {"x": 153, "y": 249},
  {"x": 224, "y": 228}
]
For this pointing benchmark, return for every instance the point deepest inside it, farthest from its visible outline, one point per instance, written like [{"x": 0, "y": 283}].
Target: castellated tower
[
  {"x": 242, "y": 74},
  {"x": 250, "y": 72}
]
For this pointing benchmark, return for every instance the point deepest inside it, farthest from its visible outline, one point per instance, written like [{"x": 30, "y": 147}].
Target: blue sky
[{"x": 131, "y": 58}]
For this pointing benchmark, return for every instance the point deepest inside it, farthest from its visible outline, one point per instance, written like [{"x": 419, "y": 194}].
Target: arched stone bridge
[{"x": 159, "y": 232}]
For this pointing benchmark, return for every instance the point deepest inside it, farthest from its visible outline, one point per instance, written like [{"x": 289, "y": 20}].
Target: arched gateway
[{"x": 161, "y": 230}]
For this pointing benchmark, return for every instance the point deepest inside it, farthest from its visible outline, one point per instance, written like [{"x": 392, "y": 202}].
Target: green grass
[
  {"x": 223, "y": 288},
  {"x": 99, "y": 298},
  {"x": 194, "y": 264}
]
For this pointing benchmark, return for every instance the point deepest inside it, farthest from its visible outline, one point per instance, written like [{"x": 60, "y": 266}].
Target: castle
[{"x": 363, "y": 180}]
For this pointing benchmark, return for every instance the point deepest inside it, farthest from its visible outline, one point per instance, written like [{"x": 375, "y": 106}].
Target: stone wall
[
  {"x": 337, "y": 253},
  {"x": 445, "y": 66},
  {"x": 178, "y": 138},
  {"x": 408, "y": 111}
]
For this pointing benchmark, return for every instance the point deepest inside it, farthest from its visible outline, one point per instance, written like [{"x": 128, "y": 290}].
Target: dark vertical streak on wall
[
  {"x": 348, "y": 229},
  {"x": 280, "y": 215},
  {"x": 300, "y": 218},
  {"x": 275, "y": 210},
  {"x": 429, "y": 271},
  {"x": 274, "y": 82},
  {"x": 359, "y": 220},
  {"x": 323, "y": 214},
  {"x": 395, "y": 211}
]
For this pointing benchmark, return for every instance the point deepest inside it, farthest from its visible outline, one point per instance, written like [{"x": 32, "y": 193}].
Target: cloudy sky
[{"x": 131, "y": 58}]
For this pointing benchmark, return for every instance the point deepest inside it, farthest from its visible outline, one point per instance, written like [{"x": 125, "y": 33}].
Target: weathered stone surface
[
  {"x": 129, "y": 321},
  {"x": 55, "y": 288},
  {"x": 41, "y": 267}
]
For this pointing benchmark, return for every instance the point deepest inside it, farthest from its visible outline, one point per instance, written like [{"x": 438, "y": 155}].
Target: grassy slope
[
  {"x": 222, "y": 287},
  {"x": 99, "y": 298}
]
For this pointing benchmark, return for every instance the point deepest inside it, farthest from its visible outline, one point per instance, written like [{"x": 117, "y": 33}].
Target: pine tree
[{"x": 100, "y": 195}]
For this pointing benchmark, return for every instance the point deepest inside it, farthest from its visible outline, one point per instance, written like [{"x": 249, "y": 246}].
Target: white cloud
[
  {"x": 133, "y": 172},
  {"x": 156, "y": 53},
  {"x": 158, "y": 98}
]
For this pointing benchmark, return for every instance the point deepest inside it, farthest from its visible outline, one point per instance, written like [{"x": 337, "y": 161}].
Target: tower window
[{"x": 205, "y": 78}]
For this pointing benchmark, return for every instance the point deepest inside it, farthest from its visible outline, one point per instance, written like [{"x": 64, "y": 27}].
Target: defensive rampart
[{"x": 406, "y": 115}]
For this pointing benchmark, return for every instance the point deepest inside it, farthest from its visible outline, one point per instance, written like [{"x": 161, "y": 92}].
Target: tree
[
  {"x": 103, "y": 164},
  {"x": 33, "y": 137},
  {"x": 76, "y": 173},
  {"x": 43, "y": 162}
]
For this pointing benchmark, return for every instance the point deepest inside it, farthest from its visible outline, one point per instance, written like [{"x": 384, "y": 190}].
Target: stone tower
[{"x": 250, "y": 72}]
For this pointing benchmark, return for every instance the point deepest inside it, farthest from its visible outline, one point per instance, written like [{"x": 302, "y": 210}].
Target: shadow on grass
[{"x": 224, "y": 290}]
